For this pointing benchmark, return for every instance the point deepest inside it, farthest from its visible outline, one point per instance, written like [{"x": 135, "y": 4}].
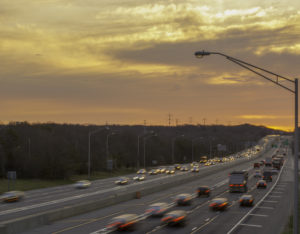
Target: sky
[{"x": 132, "y": 61}]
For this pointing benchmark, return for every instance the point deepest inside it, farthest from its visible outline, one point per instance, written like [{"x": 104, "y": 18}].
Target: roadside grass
[{"x": 30, "y": 184}]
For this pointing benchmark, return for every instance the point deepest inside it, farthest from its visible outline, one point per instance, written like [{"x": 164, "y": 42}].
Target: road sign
[
  {"x": 109, "y": 164},
  {"x": 12, "y": 175}
]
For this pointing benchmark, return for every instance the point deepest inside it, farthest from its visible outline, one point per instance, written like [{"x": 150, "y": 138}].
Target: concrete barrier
[{"x": 31, "y": 221}]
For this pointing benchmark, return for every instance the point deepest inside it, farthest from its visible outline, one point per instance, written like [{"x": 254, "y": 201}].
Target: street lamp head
[{"x": 200, "y": 54}]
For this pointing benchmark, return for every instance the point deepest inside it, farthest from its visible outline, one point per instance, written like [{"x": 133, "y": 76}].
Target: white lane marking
[
  {"x": 265, "y": 207},
  {"x": 260, "y": 215},
  {"x": 277, "y": 192},
  {"x": 274, "y": 196},
  {"x": 251, "y": 225},
  {"x": 270, "y": 201}
]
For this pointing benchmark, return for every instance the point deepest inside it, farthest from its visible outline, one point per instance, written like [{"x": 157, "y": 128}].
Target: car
[
  {"x": 203, "y": 190},
  {"x": 219, "y": 203},
  {"x": 122, "y": 181},
  {"x": 122, "y": 223},
  {"x": 162, "y": 169},
  {"x": 141, "y": 171},
  {"x": 139, "y": 177},
  {"x": 175, "y": 217},
  {"x": 12, "y": 196},
  {"x": 81, "y": 184},
  {"x": 257, "y": 174},
  {"x": 256, "y": 165},
  {"x": 194, "y": 164},
  {"x": 267, "y": 176},
  {"x": 170, "y": 170},
  {"x": 261, "y": 184},
  {"x": 183, "y": 199},
  {"x": 184, "y": 168},
  {"x": 157, "y": 209},
  {"x": 246, "y": 200},
  {"x": 207, "y": 164},
  {"x": 195, "y": 169},
  {"x": 177, "y": 166},
  {"x": 152, "y": 172}
]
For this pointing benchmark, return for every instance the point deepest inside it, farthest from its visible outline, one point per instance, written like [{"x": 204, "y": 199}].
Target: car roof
[
  {"x": 176, "y": 213},
  {"x": 159, "y": 204}
]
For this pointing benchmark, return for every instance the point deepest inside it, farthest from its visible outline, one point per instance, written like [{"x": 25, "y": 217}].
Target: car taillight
[
  {"x": 231, "y": 185},
  {"x": 241, "y": 200},
  {"x": 213, "y": 204},
  {"x": 241, "y": 185},
  {"x": 178, "y": 219},
  {"x": 166, "y": 218}
]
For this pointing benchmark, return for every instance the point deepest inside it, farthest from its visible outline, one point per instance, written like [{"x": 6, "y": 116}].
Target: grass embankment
[{"x": 30, "y": 184}]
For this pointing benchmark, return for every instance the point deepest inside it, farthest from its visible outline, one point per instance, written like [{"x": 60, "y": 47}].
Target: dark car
[
  {"x": 267, "y": 176},
  {"x": 220, "y": 203},
  {"x": 261, "y": 184},
  {"x": 183, "y": 199},
  {"x": 157, "y": 209},
  {"x": 203, "y": 190},
  {"x": 246, "y": 200},
  {"x": 123, "y": 222},
  {"x": 175, "y": 217}
]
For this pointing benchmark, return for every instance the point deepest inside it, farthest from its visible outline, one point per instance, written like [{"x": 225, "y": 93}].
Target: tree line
[{"x": 58, "y": 151}]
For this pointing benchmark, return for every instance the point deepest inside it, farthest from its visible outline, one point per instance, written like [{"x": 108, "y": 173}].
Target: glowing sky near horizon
[{"x": 126, "y": 61}]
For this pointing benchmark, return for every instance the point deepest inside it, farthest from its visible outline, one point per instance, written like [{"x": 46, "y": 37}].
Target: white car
[
  {"x": 12, "y": 196},
  {"x": 82, "y": 184},
  {"x": 139, "y": 177}
]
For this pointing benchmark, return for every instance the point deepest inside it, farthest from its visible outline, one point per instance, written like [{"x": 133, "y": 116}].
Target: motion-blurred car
[
  {"x": 12, "y": 196},
  {"x": 274, "y": 171},
  {"x": 122, "y": 181},
  {"x": 141, "y": 171},
  {"x": 175, "y": 217},
  {"x": 177, "y": 166},
  {"x": 122, "y": 223},
  {"x": 203, "y": 190},
  {"x": 153, "y": 172},
  {"x": 194, "y": 164},
  {"x": 257, "y": 174},
  {"x": 267, "y": 176},
  {"x": 183, "y": 199},
  {"x": 81, "y": 184},
  {"x": 246, "y": 200},
  {"x": 157, "y": 209},
  {"x": 139, "y": 177},
  {"x": 195, "y": 169},
  {"x": 170, "y": 170},
  {"x": 207, "y": 164},
  {"x": 162, "y": 169},
  {"x": 184, "y": 168},
  {"x": 220, "y": 203},
  {"x": 261, "y": 184}
]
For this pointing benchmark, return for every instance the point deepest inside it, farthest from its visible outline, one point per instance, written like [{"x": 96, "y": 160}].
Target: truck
[{"x": 238, "y": 181}]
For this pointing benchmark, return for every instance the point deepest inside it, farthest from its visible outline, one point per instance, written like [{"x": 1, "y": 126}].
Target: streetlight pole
[
  {"x": 193, "y": 140},
  {"x": 89, "y": 148},
  {"x": 173, "y": 144},
  {"x": 145, "y": 138},
  {"x": 257, "y": 71}
]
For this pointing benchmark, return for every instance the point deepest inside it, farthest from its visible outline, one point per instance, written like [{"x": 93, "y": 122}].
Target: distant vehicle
[
  {"x": 267, "y": 176},
  {"x": 219, "y": 203},
  {"x": 153, "y": 172},
  {"x": 203, "y": 159},
  {"x": 274, "y": 171},
  {"x": 175, "y": 217},
  {"x": 257, "y": 174},
  {"x": 122, "y": 181},
  {"x": 195, "y": 169},
  {"x": 194, "y": 164},
  {"x": 238, "y": 181},
  {"x": 157, "y": 209},
  {"x": 170, "y": 170},
  {"x": 123, "y": 222},
  {"x": 276, "y": 163},
  {"x": 261, "y": 184},
  {"x": 141, "y": 171},
  {"x": 203, "y": 190},
  {"x": 81, "y": 184},
  {"x": 256, "y": 165},
  {"x": 139, "y": 177},
  {"x": 268, "y": 162},
  {"x": 183, "y": 199},
  {"x": 177, "y": 166},
  {"x": 162, "y": 169},
  {"x": 12, "y": 196},
  {"x": 184, "y": 168},
  {"x": 246, "y": 200}
]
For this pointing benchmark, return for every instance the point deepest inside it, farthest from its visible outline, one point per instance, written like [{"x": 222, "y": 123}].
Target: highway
[{"x": 275, "y": 207}]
